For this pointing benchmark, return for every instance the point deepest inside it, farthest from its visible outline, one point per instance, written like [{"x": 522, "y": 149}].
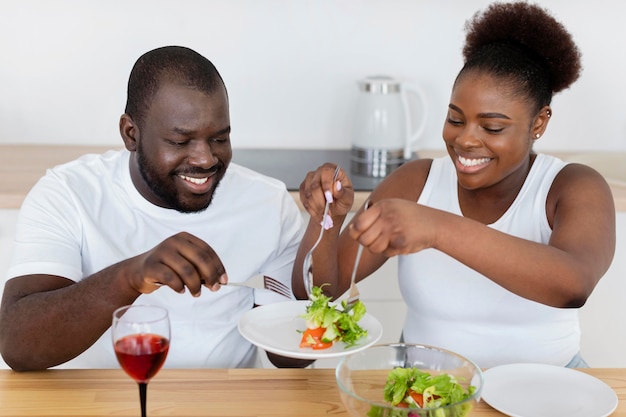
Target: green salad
[
  {"x": 419, "y": 391},
  {"x": 327, "y": 323}
]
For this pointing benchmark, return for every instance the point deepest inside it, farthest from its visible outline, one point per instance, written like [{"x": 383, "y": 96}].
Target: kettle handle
[{"x": 413, "y": 134}]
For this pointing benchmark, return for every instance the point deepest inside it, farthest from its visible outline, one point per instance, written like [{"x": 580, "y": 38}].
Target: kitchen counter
[
  {"x": 201, "y": 392},
  {"x": 22, "y": 165}
]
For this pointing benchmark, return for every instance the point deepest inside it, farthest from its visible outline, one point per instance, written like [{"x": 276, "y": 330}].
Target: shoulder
[
  {"x": 241, "y": 176},
  {"x": 574, "y": 177},
  {"x": 577, "y": 184},
  {"x": 82, "y": 182},
  {"x": 90, "y": 164},
  {"x": 406, "y": 182},
  {"x": 241, "y": 184},
  {"x": 87, "y": 172}
]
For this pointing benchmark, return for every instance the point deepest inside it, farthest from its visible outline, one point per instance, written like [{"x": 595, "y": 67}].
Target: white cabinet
[{"x": 603, "y": 318}]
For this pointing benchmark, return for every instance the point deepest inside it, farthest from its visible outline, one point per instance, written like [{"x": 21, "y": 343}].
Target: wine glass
[{"x": 141, "y": 339}]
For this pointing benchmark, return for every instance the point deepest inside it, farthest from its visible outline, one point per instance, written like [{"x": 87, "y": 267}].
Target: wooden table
[{"x": 211, "y": 392}]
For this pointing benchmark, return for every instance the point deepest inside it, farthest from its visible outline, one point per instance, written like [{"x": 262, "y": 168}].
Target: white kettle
[{"x": 385, "y": 129}]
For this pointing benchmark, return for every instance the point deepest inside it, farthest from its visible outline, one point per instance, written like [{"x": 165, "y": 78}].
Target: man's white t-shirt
[{"x": 86, "y": 215}]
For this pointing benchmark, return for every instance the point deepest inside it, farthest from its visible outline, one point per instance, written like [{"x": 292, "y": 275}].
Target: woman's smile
[{"x": 473, "y": 162}]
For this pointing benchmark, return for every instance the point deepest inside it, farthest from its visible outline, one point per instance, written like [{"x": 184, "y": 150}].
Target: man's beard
[{"x": 168, "y": 193}]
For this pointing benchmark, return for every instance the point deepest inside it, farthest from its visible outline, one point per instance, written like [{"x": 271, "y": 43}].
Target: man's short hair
[{"x": 174, "y": 63}]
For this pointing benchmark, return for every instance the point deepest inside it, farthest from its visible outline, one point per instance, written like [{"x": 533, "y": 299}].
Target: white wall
[{"x": 290, "y": 65}]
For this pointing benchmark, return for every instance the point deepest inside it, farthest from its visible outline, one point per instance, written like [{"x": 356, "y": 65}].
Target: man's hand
[{"x": 180, "y": 261}]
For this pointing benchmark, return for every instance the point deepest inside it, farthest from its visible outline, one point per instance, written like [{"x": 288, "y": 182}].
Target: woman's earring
[{"x": 537, "y": 135}]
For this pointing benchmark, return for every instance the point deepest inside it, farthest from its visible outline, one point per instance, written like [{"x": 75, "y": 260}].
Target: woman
[{"x": 499, "y": 246}]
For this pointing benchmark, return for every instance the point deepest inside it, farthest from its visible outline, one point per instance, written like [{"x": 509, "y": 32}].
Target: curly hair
[
  {"x": 524, "y": 44},
  {"x": 177, "y": 63}
]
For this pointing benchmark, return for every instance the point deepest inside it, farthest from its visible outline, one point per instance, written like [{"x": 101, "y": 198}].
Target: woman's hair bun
[{"x": 533, "y": 29}]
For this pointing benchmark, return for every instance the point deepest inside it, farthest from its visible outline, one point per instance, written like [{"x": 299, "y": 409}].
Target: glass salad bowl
[{"x": 450, "y": 378}]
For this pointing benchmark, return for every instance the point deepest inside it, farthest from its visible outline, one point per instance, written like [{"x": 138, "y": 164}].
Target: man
[{"x": 149, "y": 225}]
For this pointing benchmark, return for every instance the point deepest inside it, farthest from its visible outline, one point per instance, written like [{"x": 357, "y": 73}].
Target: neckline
[{"x": 538, "y": 160}]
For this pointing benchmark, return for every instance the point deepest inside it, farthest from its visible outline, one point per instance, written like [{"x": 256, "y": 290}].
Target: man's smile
[{"x": 198, "y": 181}]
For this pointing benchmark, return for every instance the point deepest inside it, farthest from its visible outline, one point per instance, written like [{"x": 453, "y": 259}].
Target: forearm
[
  {"x": 51, "y": 326},
  {"x": 285, "y": 362},
  {"x": 324, "y": 259},
  {"x": 536, "y": 271}
]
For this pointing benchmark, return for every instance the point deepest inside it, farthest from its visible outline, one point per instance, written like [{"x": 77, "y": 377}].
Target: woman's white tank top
[{"x": 452, "y": 306}]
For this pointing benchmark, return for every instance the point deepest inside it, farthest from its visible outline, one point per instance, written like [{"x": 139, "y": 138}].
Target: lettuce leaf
[
  {"x": 438, "y": 390},
  {"x": 340, "y": 325}
]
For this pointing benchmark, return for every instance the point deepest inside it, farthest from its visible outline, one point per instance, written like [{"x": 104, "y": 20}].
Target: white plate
[
  {"x": 274, "y": 327},
  {"x": 536, "y": 390}
]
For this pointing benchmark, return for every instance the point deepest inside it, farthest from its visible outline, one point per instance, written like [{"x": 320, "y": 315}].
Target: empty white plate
[{"x": 537, "y": 390}]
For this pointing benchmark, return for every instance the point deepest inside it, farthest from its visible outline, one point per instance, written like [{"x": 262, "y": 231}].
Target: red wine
[{"x": 142, "y": 355}]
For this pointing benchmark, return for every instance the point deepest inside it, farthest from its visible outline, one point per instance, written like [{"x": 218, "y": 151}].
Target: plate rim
[
  {"x": 306, "y": 354},
  {"x": 507, "y": 368}
]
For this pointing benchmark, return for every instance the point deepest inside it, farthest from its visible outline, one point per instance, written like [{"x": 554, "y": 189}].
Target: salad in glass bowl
[{"x": 408, "y": 380}]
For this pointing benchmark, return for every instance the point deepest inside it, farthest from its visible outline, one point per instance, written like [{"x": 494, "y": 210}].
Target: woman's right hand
[
  {"x": 318, "y": 186},
  {"x": 394, "y": 226},
  {"x": 182, "y": 261}
]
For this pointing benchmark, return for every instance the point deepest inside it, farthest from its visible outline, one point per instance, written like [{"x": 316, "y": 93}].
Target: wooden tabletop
[
  {"x": 210, "y": 392},
  {"x": 22, "y": 165}
]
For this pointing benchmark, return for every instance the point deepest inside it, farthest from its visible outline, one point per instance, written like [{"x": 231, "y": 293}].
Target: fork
[
  {"x": 354, "y": 295},
  {"x": 267, "y": 283},
  {"x": 307, "y": 265}
]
